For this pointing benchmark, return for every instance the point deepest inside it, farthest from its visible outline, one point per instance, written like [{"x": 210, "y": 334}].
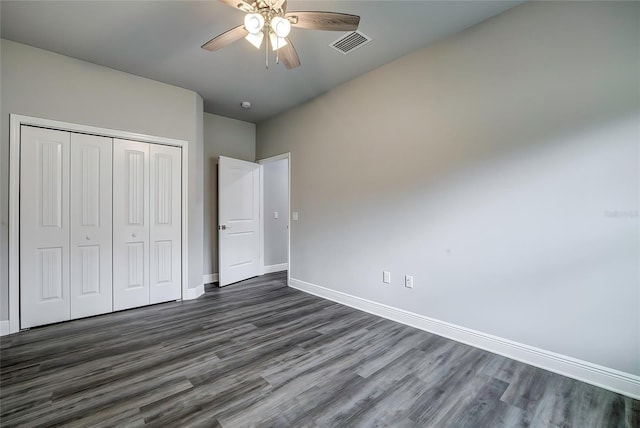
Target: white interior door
[
  {"x": 130, "y": 224},
  {"x": 238, "y": 217},
  {"x": 90, "y": 222},
  {"x": 166, "y": 223},
  {"x": 44, "y": 226}
]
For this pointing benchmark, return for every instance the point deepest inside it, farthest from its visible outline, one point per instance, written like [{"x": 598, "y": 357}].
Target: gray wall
[
  {"x": 222, "y": 137},
  {"x": 500, "y": 167},
  {"x": 43, "y": 84},
  {"x": 276, "y": 199}
]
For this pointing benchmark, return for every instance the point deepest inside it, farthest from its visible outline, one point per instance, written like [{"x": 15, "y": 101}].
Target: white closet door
[
  {"x": 165, "y": 232},
  {"x": 91, "y": 240},
  {"x": 44, "y": 226},
  {"x": 130, "y": 224}
]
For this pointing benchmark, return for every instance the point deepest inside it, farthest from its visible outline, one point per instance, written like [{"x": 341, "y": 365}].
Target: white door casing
[
  {"x": 90, "y": 224},
  {"x": 238, "y": 217},
  {"x": 165, "y": 223},
  {"x": 130, "y": 224},
  {"x": 44, "y": 226}
]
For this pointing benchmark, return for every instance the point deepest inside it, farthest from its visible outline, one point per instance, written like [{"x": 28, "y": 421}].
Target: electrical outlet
[
  {"x": 408, "y": 281},
  {"x": 386, "y": 277}
]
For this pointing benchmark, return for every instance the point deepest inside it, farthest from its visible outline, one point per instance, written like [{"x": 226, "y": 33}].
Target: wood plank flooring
[{"x": 258, "y": 353}]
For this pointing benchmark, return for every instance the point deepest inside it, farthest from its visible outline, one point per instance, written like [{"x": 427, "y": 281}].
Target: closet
[{"x": 100, "y": 225}]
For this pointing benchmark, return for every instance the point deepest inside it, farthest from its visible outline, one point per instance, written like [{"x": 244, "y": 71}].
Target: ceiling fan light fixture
[
  {"x": 269, "y": 19},
  {"x": 281, "y": 26},
  {"x": 277, "y": 42},
  {"x": 255, "y": 39},
  {"x": 253, "y": 23}
]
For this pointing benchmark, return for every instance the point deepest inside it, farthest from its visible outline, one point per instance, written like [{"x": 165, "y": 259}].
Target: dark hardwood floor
[{"x": 258, "y": 353}]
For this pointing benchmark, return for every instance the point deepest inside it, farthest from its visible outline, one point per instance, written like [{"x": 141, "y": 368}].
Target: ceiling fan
[{"x": 269, "y": 19}]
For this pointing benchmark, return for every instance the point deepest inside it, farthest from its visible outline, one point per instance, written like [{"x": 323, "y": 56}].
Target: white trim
[
  {"x": 275, "y": 158},
  {"x": 276, "y": 268},
  {"x": 261, "y": 222},
  {"x": 604, "y": 377},
  {"x": 289, "y": 214},
  {"x": 16, "y": 121},
  {"x": 194, "y": 293},
  {"x": 4, "y": 328},
  {"x": 185, "y": 220},
  {"x": 95, "y": 130},
  {"x": 14, "y": 223},
  {"x": 208, "y": 279}
]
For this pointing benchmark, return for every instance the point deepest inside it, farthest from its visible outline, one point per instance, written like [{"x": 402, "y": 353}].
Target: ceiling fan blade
[
  {"x": 328, "y": 21},
  {"x": 225, "y": 38},
  {"x": 239, "y": 4},
  {"x": 289, "y": 56}
]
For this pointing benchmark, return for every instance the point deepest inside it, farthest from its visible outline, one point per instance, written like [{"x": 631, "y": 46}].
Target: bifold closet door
[
  {"x": 91, "y": 240},
  {"x": 147, "y": 224},
  {"x": 165, "y": 223},
  {"x": 44, "y": 226},
  {"x": 130, "y": 224}
]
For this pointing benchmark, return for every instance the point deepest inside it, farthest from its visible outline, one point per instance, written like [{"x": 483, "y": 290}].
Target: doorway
[
  {"x": 253, "y": 217},
  {"x": 275, "y": 217}
]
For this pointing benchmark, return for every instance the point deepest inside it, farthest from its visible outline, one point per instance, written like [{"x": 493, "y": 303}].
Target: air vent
[{"x": 350, "y": 42}]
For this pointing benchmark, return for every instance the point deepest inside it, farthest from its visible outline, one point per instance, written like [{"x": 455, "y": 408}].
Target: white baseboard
[
  {"x": 194, "y": 293},
  {"x": 4, "y": 328},
  {"x": 208, "y": 279},
  {"x": 275, "y": 268},
  {"x": 611, "y": 379}
]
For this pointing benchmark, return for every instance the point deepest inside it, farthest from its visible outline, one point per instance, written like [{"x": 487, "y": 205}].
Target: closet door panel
[
  {"x": 130, "y": 224},
  {"x": 91, "y": 225},
  {"x": 44, "y": 226},
  {"x": 165, "y": 221}
]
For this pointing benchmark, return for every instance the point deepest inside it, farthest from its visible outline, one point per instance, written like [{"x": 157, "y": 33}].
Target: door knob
[
  {"x": 87, "y": 238},
  {"x": 133, "y": 235}
]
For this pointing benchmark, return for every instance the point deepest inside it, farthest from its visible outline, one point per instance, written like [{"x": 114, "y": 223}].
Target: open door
[{"x": 239, "y": 220}]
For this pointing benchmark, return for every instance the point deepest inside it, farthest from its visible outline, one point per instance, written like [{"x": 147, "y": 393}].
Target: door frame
[
  {"x": 275, "y": 158},
  {"x": 15, "y": 122}
]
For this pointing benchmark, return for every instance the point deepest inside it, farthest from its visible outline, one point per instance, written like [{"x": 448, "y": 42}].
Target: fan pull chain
[{"x": 266, "y": 48}]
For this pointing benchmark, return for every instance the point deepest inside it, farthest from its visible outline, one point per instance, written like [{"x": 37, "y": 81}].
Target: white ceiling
[{"x": 161, "y": 40}]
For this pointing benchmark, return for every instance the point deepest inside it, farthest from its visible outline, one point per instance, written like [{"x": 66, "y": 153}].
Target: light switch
[
  {"x": 294, "y": 215},
  {"x": 386, "y": 277},
  {"x": 275, "y": 214}
]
